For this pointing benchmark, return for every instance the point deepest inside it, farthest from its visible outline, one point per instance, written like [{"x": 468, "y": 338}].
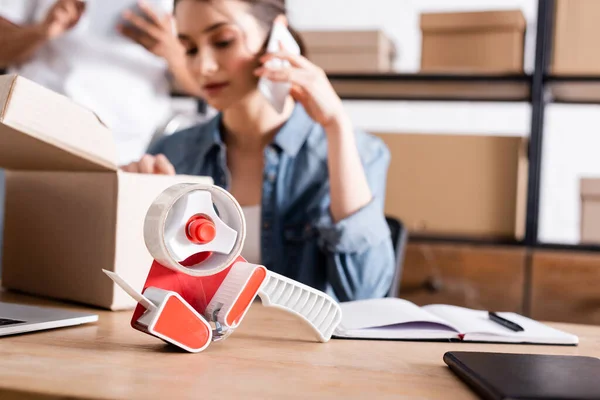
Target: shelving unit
[
  {"x": 466, "y": 240},
  {"x": 432, "y": 87},
  {"x": 547, "y": 89},
  {"x": 539, "y": 89},
  {"x": 573, "y": 89}
]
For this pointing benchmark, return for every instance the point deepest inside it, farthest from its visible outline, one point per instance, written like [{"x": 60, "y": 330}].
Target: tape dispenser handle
[{"x": 318, "y": 310}]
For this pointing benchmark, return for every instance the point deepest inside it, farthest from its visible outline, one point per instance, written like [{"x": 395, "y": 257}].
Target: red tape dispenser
[{"x": 195, "y": 233}]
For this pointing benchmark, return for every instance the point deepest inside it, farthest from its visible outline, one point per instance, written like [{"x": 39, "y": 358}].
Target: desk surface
[{"x": 270, "y": 356}]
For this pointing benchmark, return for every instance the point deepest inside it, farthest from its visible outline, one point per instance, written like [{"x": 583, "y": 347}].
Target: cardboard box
[
  {"x": 576, "y": 31},
  {"x": 590, "y": 210},
  {"x": 69, "y": 211},
  {"x": 350, "y": 51},
  {"x": 473, "y": 42},
  {"x": 458, "y": 185}
]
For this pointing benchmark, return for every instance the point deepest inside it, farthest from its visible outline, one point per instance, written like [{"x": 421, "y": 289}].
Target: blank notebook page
[{"x": 384, "y": 312}]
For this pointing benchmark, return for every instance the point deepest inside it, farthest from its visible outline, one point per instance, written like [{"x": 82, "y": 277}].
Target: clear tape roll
[{"x": 166, "y": 223}]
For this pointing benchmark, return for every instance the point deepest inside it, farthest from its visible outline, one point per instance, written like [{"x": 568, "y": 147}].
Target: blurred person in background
[
  {"x": 311, "y": 187},
  {"x": 82, "y": 49}
]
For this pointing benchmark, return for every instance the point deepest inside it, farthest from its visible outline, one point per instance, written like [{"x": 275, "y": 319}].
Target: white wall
[
  {"x": 571, "y": 144},
  {"x": 570, "y": 134}
]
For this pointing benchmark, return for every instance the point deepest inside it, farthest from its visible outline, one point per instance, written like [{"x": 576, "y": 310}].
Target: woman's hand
[
  {"x": 155, "y": 33},
  {"x": 158, "y": 165},
  {"x": 62, "y": 17},
  {"x": 310, "y": 87},
  {"x": 349, "y": 188},
  {"x": 158, "y": 35}
]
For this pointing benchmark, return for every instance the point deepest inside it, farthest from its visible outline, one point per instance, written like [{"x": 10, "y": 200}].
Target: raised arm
[
  {"x": 19, "y": 42},
  {"x": 354, "y": 233}
]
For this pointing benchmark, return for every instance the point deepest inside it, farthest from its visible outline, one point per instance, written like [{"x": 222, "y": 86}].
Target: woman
[{"x": 312, "y": 189}]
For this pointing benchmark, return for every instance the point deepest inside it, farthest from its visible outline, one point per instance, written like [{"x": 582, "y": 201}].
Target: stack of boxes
[{"x": 472, "y": 186}]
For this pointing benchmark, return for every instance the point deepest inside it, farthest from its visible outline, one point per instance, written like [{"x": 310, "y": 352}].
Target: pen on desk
[{"x": 504, "y": 322}]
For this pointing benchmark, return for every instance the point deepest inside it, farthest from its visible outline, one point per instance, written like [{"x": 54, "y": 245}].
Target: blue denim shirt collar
[
  {"x": 290, "y": 137},
  {"x": 211, "y": 139},
  {"x": 295, "y": 131}
]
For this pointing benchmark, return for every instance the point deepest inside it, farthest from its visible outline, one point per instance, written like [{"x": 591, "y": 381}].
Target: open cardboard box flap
[
  {"x": 41, "y": 130},
  {"x": 63, "y": 189}
]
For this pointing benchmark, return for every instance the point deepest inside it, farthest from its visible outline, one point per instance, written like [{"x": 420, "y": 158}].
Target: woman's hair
[{"x": 265, "y": 11}]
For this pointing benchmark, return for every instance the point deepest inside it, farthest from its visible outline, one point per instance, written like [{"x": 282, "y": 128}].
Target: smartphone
[{"x": 277, "y": 92}]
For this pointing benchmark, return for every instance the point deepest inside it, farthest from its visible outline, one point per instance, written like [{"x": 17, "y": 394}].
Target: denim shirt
[{"x": 351, "y": 259}]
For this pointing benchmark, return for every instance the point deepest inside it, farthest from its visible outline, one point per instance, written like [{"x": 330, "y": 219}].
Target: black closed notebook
[{"x": 499, "y": 376}]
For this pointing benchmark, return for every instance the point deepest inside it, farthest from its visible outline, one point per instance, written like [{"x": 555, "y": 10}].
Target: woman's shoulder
[{"x": 187, "y": 141}]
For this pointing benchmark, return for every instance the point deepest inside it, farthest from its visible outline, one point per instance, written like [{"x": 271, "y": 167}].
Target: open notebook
[{"x": 399, "y": 319}]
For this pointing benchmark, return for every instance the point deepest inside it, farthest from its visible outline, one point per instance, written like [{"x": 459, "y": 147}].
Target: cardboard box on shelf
[
  {"x": 69, "y": 211},
  {"x": 350, "y": 51},
  {"x": 590, "y": 210},
  {"x": 458, "y": 185},
  {"x": 473, "y": 42},
  {"x": 576, "y": 29}
]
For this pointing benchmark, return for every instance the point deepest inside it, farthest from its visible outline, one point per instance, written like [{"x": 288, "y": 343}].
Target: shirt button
[
  {"x": 271, "y": 154},
  {"x": 271, "y": 177},
  {"x": 266, "y": 225}
]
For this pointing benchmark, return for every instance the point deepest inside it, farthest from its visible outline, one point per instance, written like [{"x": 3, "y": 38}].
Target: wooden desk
[{"x": 271, "y": 356}]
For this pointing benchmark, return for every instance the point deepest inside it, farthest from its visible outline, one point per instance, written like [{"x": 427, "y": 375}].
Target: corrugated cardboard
[
  {"x": 69, "y": 211},
  {"x": 590, "y": 210},
  {"x": 473, "y": 42},
  {"x": 350, "y": 51},
  {"x": 458, "y": 185},
  {"x": 352, "y": 62},
  {"x": 575, "y": 42}
]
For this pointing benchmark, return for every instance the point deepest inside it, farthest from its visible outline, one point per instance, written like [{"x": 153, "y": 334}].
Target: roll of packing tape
[{"x": 182, "y": 222}]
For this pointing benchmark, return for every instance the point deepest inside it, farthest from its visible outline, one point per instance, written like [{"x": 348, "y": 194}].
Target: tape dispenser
[{"x": 199, "y": 287}]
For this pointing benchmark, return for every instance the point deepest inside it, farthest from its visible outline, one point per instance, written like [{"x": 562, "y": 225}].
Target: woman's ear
[{"x": 282, "y": 19}]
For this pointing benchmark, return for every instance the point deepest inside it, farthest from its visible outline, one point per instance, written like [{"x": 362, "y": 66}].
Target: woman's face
[{"x": 222, "y": 41}]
